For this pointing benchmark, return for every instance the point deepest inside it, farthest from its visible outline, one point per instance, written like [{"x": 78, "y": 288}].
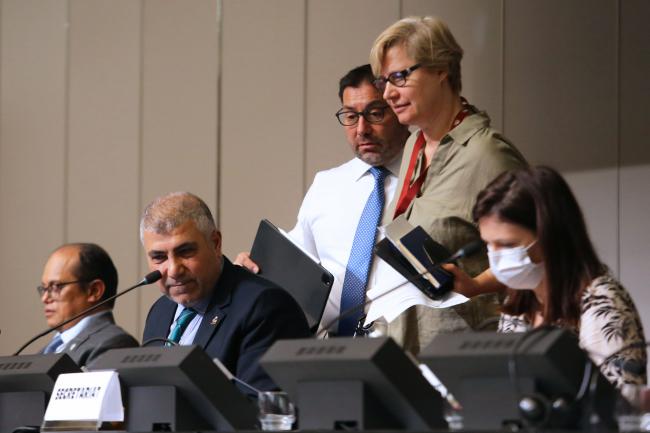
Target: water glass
[{"x": 276, "y": 412}]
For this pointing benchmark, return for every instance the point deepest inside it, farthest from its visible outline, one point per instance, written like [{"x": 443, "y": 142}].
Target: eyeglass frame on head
[
  {"x": 397, "y": 78},
  {"x": 54, "y": 288},
  {"x": 365, "y": 113}
]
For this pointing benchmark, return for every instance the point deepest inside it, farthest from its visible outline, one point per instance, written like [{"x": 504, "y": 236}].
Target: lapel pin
[{"x": 214, "y": 321}]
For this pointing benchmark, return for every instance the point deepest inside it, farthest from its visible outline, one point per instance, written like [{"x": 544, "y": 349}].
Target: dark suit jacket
[
  {"x": 245, "y": 316},
  {"x": 99, "y": 335}
]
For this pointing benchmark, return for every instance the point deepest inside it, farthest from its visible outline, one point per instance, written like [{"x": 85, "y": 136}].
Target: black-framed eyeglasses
[
  {"x": 54, "y": 289},
  {"x": 374, "y": 114},
  {"x": 396, "y": 78}
]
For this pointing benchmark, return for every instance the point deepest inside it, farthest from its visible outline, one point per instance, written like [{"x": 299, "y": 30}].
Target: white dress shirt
[{"x": 329, "y": 215}]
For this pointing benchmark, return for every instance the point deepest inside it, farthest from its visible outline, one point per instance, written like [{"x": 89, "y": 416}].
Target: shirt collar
[
  {"x": 468, "y": 127},
  {"x": 71, "y": 333},
  {"x": 360, "y": 168}
]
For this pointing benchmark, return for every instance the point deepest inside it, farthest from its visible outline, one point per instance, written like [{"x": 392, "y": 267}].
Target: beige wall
[{"x": 105, "y": 104}]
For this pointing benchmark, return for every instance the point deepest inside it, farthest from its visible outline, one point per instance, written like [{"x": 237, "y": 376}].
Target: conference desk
[
  {"x": 370, "y": 382},
  {"x": 363, "y": 431}
]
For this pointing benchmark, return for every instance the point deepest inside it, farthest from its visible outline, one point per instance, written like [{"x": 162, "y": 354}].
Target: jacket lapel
[
  {"x": 95, "y": 324},
  {"x": 218, "y": 307},
  {"x": 160, "y": 326}
]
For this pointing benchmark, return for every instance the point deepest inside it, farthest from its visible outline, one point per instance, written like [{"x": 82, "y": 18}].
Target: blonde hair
[{"x": 427, "y": 40}]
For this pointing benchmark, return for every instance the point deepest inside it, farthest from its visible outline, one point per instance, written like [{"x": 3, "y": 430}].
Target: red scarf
[{"x": 411, "y": 189}]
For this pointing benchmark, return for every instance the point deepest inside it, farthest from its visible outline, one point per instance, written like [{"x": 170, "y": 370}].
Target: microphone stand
[{"x": 151, "y": 277}]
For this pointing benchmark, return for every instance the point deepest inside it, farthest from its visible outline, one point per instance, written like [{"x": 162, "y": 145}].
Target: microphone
[
  {"x": 151, "y": 277},
  {"x": 465, "y": 251},
  {"x": 234, "y": 378},
  {"x": 167, "y": 341}
]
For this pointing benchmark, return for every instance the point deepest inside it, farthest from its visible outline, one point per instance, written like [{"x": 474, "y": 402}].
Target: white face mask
[{"x": 514, "y": 268}]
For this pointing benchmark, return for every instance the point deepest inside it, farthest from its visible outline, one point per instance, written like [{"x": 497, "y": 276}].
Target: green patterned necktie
[{"x": 183, "y": 320}]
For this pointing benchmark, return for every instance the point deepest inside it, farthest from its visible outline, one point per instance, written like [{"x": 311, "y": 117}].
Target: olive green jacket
[{"x": 468, "y": 158}]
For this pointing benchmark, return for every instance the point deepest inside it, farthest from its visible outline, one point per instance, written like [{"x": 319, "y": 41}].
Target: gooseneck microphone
[
  {"x": 234, "y": 378},
  {"x": 465, "y": 251},
  {"x": 151, "y": 277},
  {"x": 167, "y": 341}
]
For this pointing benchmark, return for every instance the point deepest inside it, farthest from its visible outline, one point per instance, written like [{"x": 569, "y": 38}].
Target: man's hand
[
  {"x": 244, "y": 259},
  {"x": 470, "y": 287}
]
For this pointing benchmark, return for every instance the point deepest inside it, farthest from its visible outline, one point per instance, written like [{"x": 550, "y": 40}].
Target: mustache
[
  {"x": 368, "y": 138},
  {"x": 173, "y": 283}
]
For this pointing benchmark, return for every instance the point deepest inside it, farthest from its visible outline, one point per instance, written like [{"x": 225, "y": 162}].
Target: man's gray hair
[{"x": 171, "y": 211}]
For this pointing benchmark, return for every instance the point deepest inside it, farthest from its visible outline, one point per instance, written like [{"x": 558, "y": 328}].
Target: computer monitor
[
  {"x": 26, "y": 383},
  {"x": 492, "y": 374},
  {"x": 177, "y": 388},
  {"x": 360, "y": 383}
]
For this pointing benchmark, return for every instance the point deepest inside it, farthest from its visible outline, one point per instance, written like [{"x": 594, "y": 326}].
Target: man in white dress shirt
[{"x": 330, "y": 212}]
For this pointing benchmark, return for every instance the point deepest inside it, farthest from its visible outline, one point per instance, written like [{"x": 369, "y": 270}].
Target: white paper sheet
[{"x": 389, "y": 303}]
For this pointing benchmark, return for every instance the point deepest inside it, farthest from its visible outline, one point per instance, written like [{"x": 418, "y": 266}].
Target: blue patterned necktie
[
  {"x": 183, "y": 320},
  {"x": 53, "y": 344},
  {"x": 356, "y": 273}
]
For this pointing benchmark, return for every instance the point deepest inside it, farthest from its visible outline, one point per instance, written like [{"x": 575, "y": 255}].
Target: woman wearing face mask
[{"x": 539, "y": 248}]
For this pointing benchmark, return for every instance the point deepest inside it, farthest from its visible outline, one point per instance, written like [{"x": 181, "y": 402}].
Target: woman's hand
[{"x": 470, "y": 287}]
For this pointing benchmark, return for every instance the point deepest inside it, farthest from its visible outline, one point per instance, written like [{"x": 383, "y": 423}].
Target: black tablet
[{"x": 288, "y": 266}]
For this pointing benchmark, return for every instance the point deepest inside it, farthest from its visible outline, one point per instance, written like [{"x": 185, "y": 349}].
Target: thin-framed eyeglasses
[
  {"x": 396, "y": 78},
  {"x": 54, "y": 288},
  {"x": 374, "y": 114}
]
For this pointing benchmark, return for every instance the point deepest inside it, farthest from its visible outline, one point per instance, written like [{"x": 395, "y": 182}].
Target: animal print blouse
[{"x": 609, "y": 321}]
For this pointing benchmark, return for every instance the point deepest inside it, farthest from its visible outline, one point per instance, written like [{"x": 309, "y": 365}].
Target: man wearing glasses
[
  {"x": 339, "y": 215},
  {"x": 76, "y": 277}
]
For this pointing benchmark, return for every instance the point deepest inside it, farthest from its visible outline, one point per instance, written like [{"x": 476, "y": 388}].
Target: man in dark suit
[
  {"x": 76, "y": 277},
  {"x": 232, "y": 314}
]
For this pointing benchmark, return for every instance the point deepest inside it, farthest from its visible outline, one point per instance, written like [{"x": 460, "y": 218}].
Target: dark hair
[
  {"x": 95, "y": 264},
  {"x": 539, "y": 199},
  {"x": 355, "y": 78}
]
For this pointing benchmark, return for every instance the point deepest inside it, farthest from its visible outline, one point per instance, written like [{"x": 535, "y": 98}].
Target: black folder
[
  {"x": 285, "y": 264},
  {"x": 434, "y": 253}
]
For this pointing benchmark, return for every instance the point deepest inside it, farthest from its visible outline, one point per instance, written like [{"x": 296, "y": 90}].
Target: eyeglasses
[
  {"x": 349, "y": 117},
  {"x": 396, "y": 78},
  {"x": 54, "y": 289}
]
